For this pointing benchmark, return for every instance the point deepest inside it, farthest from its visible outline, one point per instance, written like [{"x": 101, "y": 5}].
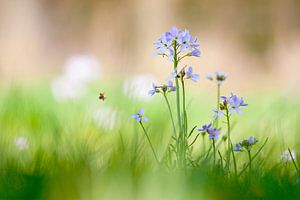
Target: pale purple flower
[
  {"x": 205, "y": 128},
  {"x": 181, "y": 41},
  {"x": 217, "y": 113},
  {"x": 220, "y": 77},
  {"x": 185, "y": 40},
  {"x": 163, "y": 44},
  {"x": 175, "y": 34},
  {"x": 196, "y": 53},
  {"x": 214, "y": 133},
  {"x": 190, "y": 75},
  {"x": 171, "y": 87},
  {"x": 246, "y": 144},
  {"x": 139, "y": 117},
  {"x": 238, "y": 147},
  {"x": 153, "y": 90},
  {"x": 235, "y": 104}
]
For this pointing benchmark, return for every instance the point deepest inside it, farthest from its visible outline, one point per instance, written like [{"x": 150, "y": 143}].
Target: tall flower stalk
[{"x": 176, "y": 45}]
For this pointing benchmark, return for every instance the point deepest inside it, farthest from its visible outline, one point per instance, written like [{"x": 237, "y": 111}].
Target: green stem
[
  {"x": 214, "y": 147},
  {"x": 184, "y": 125},
  {"x": 234, "y": 161},
  {"x": 156, "y": 158},
  {"x": 291, "y": 155},
  {"x": 228, "y": 141},
  {"x": 180, "y": 141},
  {"x": 171, "y": 115},
  {"x": 250, "y": 162},
  {"x": 218, "y": 105},
  {"x": 184, "y": 108}
]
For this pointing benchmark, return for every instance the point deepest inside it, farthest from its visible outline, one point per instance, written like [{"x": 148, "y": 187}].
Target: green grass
[{"x": 70, "y": 157}]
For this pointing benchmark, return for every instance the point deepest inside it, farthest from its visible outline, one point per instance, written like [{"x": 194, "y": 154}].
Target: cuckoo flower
[
  {"x": 139, "y": 117},
  {"x": 214, "y": 133},
  {"x": 219, "y": 77},
  {"x": 190, "y": 75},
  {"x": 233, "y": 103},
  {"x": 177, "y": 41},
  {"x": 205, "y": 128},
  {"x": 162, "y": 89},
  {"x": 246, "y": 144}
]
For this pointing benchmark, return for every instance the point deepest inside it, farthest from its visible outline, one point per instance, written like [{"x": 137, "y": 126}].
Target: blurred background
[{"x": 256, "y": 42}]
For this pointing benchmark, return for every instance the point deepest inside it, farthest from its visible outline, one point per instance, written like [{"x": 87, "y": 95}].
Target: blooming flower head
[
  {"x": 153, "y": 90},
  {"x": 233, "y": 103},
  {"x": 205, "y": 128},
  {"x": 183, "y": 73},
  {"x": 177, "y": 41},
  {"x": 139, "y": 117},
  {"x": 214, "y": 133},
  {"x": 190, "y": 75},
  {"x": 246, "y": 144},
  {"x": 166, "y": 88},
  {"x": 219, "y": 77}
]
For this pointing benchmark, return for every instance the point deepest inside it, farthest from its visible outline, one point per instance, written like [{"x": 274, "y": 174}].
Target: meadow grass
[{"x": 69, "y": 157}]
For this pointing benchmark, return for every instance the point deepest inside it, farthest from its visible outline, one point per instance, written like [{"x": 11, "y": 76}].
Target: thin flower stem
[
  {"x": 221, "y": 159},
  {"x": 180, "y": 143},
  {"x": 184, "y": 108},
  {"x": 250, "y": 162},
  {"x": 214, "y": 147},
  {"x": 234, "y": 161},
  {"x": 218, "y": 104},
  {"x": 156, "y": 158},
  {"x": 291, "y": 155},
  {"x": 228, "y": 141},
  {"x": 171, "y": 115},
  {"x": 184, "y": 125},
  {"x": 253, "y": 157}
]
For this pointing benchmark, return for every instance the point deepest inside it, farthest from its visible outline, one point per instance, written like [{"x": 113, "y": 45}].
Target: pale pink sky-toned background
[{"x": 257, "y": 42}]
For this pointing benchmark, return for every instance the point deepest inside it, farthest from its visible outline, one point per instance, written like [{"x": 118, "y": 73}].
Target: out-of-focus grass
[{"x": 69, "y": 157}]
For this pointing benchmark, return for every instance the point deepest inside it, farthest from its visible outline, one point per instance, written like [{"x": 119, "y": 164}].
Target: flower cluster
[
  {"x": 213, "y": 132},
  {"x": 139, "y": 117},
  {"x": 175, "y": 42},
  {"x": 219, "y": 77},
  {"x": 187, "y": 74},
  {"x": 162, "y": 89},
  {"x": 231, "y": 104},
  {"x": 246, "y": 144}
]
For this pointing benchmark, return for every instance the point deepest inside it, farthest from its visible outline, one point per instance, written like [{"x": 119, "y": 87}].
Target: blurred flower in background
[
  {"x": 79, "y": 70},
  {"x": 106, "y": 118},
  {"x": 137, "y": 88},
  {"x": 21, "y": 143},
  {"x": 286, "y": 157}
]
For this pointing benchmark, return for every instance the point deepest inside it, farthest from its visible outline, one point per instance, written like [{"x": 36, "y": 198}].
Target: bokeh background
[{"x": 256, "y": 42}]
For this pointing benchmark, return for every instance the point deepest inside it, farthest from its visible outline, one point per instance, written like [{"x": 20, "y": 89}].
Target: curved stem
[
  {"x": 156, "y": 158},
  {"x": 171, "y": 115}
]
